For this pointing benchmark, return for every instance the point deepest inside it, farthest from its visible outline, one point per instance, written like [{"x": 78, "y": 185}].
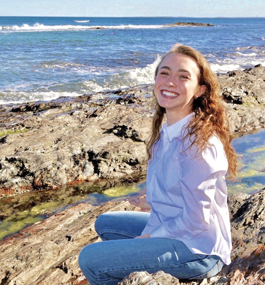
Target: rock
[
  {"x": 74, "y": 140},
  {"x": 244, "y": 96},
  {"x": 44, "y": 145},
  {"x": 190, "y": 24},
  {"x": 248, "y": 234},
  {"x": 144, "y": 278},
  {"x": 47, "y": 252}
]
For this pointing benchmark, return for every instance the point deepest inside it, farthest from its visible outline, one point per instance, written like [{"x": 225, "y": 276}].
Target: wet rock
[{"x": 47, "y": 252}]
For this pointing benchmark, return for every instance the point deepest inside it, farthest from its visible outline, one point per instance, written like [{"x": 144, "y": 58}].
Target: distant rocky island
[
  {"x": 177, "y": 24},
  {"x": 189, "y": 24}
]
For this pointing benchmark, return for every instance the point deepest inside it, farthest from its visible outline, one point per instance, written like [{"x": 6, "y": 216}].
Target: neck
[{"x": 173, "y": 117}]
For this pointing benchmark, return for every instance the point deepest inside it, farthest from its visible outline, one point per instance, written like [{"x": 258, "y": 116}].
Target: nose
[{"x": 170, "y": 81}]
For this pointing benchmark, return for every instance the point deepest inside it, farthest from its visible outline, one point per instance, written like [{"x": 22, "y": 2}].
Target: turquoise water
[
  {"x": 43, "y": 58},
  {"x": 251, "y": 158}
]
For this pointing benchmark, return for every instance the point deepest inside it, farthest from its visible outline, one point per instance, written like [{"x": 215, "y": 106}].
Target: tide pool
[{"x": 19, "y": 211}]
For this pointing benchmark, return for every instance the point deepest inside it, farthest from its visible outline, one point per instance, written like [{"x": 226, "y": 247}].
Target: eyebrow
[
  {"x": 180, "y": 70},
  {"x": 166, "y": 67}
]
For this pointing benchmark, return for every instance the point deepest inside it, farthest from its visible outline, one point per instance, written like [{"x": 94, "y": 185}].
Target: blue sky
[{"x": 127, "y": 8}]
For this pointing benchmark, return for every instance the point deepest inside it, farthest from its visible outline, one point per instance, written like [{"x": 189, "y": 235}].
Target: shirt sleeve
[{"x": 199, "y": 181}]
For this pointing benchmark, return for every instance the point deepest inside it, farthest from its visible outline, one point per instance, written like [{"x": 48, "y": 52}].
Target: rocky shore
[
  {"x": 47, "y": 252},
  {"x": 101, "y": 136},
  {"x": 45, "y": 145}
]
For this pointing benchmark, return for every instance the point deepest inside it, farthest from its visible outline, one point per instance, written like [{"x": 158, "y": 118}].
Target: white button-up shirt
[{"x": 188, "y": 193}]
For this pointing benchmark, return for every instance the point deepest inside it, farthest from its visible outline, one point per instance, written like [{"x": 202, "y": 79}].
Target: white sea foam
[
  {"x": 226, "y": 67},
  {"x": 238, "y": 60},
  {"x": 98, "y": 79},
  {"x": 56, "y": 64},
  {"x": 84, "y": 21},
  {"x": 223, "y": 68},
  {"x": 121, "y": 79},
  {"x": 40, "y": 27},
  {"x": 22, "y": 96},
  {"x": 246, "y": 54},
  {"x": 124, "y": 79}
]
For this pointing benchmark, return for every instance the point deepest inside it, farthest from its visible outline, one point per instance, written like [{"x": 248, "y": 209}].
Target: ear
[{"x": 200, "y": 91}]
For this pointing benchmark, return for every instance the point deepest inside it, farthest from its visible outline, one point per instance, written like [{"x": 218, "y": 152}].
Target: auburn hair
[{"x": 210, "y": 114}]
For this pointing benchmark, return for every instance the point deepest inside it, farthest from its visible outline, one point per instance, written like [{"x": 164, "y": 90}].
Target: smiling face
[{"x": 176, "y": 85}]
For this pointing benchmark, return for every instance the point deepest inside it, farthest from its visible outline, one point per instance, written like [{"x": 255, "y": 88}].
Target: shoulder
[
  {"x": 214, "y": 149},
  {"x": 212, "y": 157}
]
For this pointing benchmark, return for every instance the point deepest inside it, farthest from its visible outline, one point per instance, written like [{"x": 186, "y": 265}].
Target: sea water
[{"x": 43, "y": 58}]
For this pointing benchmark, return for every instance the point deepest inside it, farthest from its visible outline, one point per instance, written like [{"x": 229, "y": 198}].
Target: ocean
[{"x": 43, "y": 58}]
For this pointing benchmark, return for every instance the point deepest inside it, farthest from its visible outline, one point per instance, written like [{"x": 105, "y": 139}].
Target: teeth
[{"x": 169, "y": 94}]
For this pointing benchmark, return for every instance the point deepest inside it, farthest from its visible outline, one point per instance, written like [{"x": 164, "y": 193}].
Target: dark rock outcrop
[
  {"x": 47, "y": 145},
  {"x": 243, "y": 92},
  {"x": 189, "y": 24}
]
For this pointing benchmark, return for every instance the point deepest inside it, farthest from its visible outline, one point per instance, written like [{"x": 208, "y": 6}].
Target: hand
[{"x": 144, "y": 236}]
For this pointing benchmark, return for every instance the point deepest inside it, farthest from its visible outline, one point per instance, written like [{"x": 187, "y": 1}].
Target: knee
[
  {"x": 82, "y": 259},
  {"x": 100, "y": 223},
  {"x": 106, "y": 221},
  {"x": 87, "y": 259},
  {"x": 87, "y": 264}
]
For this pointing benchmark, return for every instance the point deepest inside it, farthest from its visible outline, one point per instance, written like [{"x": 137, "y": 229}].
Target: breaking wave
[
  {"x": 99, "y": 81},
  {"x": 84, "y": 21},
  {"x": 40, "y": 27}
]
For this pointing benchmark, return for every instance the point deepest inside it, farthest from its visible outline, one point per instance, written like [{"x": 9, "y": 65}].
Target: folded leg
[
  {"x": 121, "y": 225},
  {"x": 108, "y": 262}
]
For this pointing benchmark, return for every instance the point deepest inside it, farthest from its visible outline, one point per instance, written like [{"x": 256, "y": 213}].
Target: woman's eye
[
  {"x": 164, "y": 73},
  {"x": 184, "y": 77}
]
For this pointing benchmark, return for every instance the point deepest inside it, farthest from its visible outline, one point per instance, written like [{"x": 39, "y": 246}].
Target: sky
[{"x": 134, "y": 8}]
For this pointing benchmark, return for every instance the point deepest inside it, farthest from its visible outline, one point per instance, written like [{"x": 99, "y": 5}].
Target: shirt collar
[{"x": 175, "y": 130}]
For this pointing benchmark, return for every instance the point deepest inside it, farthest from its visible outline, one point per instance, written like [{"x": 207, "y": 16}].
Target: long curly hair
[{"x": 210, "y": 114}]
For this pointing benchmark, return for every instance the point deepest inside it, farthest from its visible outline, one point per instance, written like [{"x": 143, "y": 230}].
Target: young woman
[{"x": 187, "y": 233}]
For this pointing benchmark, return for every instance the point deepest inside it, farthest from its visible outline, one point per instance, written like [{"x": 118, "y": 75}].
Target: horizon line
[{"x": 214, "y": 17}]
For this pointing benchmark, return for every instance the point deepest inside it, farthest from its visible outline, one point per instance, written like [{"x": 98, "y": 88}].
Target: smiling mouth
[{"x": 169, "y": 94}]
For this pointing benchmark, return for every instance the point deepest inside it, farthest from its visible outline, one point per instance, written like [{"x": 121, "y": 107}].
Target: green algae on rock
[
  {"x": 20, "y": 211},
  {"x": 12, "y": 131}
]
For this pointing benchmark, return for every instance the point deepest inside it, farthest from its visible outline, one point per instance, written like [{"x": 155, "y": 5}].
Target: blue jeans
[{"x": 108, "y": 262}]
